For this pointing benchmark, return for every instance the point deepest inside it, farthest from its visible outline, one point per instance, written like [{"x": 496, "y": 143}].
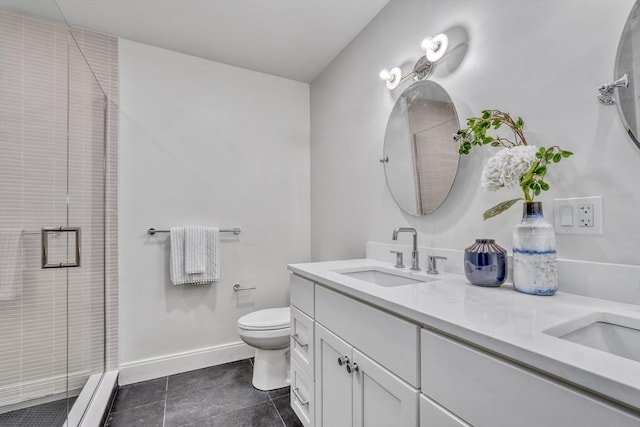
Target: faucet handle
[
  {"x": 399, "y": 263},
  {"x": 432, "y": 264}
]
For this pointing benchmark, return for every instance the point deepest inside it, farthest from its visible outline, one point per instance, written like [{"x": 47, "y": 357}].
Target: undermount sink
[
  {"x": 384, "y": 277},
  {"x": 611, "y": 333}
]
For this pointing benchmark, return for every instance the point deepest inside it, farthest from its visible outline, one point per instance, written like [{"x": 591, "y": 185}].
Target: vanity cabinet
[
  {"x": 354, "y": 364},
  {"x": 434, "y": 415},
  {"x": 362, "y": 363},
  {"x": 353, "y": 390},
  {"x": 302, "y": 346},
  {"x": 488, "y": 391}
]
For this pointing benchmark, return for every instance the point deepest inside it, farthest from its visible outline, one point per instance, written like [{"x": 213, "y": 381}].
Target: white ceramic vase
[{"x": 534, "y": 253}]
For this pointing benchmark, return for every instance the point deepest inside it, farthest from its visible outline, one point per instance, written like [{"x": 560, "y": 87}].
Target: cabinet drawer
[
  {"x": 470, "y": 383},
  {"x": 302, "y": 344},
  {"x": 434, "y": 415},
  {"x": 387, "y": 339},
  {"x": 301, "y": 294},
  {"x": 302, "y": 394}
]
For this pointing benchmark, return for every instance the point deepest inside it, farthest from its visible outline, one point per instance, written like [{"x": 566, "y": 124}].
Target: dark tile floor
[
  {"x": 43, "y": 415},
  {"x": 218, "y": 396}
]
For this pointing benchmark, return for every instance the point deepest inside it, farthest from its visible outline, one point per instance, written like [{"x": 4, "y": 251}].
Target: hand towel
[
  {"x": 195, "y": 249},
  {"x": 10, "y": 264},
  {"x": 211, "y": 273}
]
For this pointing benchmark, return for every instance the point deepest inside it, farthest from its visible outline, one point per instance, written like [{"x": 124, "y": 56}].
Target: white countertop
[{"x": 498, "y": 319}]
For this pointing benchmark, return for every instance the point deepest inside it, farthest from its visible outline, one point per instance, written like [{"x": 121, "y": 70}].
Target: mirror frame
[
  {"x": 385, "y": 160},
  {"x": 633, "y": 134}
]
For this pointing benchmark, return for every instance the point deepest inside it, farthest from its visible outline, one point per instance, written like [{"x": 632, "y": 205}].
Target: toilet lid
[{"x": 270, "y": 318}]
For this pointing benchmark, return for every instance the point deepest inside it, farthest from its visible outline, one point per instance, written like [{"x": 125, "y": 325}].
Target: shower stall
[{"x": 58, "y": 260}]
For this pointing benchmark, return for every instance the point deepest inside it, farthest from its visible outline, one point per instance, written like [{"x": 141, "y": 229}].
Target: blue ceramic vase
[
  {"x": 534, "y": 253},
  {"x": 485, "y": 263}
]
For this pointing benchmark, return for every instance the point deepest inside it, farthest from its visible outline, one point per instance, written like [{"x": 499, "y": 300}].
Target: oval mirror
[
  {"x": 628, "y": 62},
  {"x": 420, "y": 154}
]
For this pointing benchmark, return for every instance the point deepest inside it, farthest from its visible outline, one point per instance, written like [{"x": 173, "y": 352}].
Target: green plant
[{"x": 516, "y": 164}]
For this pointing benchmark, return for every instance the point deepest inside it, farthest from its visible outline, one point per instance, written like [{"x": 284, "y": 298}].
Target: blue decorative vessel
[
  {"x": 534, "y": 253},
  {"x": 485, "y": 263}
]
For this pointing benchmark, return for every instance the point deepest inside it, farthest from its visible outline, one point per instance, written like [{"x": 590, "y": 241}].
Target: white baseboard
[{"x": 156, "y": 367}]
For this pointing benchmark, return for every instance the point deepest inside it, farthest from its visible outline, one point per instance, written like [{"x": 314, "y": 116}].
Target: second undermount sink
[
  {"x": 611, "y": 333},
  {"x": 384, "y": 277}
]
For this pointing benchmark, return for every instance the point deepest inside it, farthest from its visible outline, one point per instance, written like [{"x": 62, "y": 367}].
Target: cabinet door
[
  {"x": 334, "y": 395},
  {"x": 380, "y": 398}
]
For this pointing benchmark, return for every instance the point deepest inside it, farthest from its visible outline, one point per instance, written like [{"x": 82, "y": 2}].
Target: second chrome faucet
[{"x": 415, "y": 262}]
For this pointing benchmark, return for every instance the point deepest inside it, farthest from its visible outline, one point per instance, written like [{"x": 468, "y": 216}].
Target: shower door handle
[{"x": 46, "y": 231}]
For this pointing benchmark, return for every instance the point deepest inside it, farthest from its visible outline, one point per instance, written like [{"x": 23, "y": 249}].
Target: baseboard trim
[{"x": 156, "y": 367}]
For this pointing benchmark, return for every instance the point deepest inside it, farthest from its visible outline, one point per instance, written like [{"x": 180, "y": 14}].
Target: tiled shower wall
[{"x": 54, "y": 118}]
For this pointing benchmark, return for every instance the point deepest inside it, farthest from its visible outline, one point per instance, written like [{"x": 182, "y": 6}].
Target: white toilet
[{"x": 268, "y": 332}]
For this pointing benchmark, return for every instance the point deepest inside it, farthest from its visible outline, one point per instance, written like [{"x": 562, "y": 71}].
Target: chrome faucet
[
  {"x": 432, "y": 264},
  {"x": 415, "y": 264}
]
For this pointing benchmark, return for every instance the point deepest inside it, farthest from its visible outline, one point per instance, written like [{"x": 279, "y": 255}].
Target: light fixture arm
[{"x": 434, "y": 47}]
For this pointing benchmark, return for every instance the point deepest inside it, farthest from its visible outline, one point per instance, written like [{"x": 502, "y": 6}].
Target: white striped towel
[
  {"x": 211, "y": 273},
  {"x": 195, "y": 249}
]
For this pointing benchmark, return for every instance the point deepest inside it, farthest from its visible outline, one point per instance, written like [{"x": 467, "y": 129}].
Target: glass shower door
[
  {"x": 87, "y": 124},
  {"x": 52, "y": 224}
]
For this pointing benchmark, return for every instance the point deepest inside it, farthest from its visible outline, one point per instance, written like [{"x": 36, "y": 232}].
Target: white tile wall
[{"x": 52, "y": 328}]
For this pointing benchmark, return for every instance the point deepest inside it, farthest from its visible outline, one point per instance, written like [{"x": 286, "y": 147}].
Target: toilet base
[{"x": 271, "y": 369}]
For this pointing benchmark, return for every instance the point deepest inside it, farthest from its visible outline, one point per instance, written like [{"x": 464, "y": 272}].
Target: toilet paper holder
[{"x": 238, "y": 288}]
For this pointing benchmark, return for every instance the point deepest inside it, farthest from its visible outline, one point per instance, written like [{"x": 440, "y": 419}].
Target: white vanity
[{"x": 371, "y": 350}]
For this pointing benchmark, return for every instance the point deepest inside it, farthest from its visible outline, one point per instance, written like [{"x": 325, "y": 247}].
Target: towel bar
[{"x": 152, "y": 231}]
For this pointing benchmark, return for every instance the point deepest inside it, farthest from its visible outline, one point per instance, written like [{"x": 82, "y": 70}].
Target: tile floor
[
  {"x": 43, "y": 415},
  {"x": 213, "y": 397}
]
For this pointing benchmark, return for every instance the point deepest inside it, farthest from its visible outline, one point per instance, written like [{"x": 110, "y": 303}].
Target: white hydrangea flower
[{"x": 507, "y": 167}]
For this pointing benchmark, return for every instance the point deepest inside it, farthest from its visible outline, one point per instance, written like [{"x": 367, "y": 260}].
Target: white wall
[
  {"x": 210, "y": 144},
  {"x": 542, "y": 60}
]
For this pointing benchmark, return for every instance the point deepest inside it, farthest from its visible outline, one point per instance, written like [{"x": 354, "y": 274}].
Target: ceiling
[{"x": 295, "y": 39}]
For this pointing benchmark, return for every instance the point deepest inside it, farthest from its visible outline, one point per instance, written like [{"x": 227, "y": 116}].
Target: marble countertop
[{"x": 498, "y": 319}]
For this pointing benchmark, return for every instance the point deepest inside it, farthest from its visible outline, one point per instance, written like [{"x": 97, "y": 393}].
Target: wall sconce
[
  {"x": 435, "y": 48},
  {"x": 393, "y": 77}
]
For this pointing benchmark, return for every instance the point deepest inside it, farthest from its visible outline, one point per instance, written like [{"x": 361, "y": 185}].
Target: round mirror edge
[
  {"x": 635, "y": 9},
  {"x": 385, "y": 163}
]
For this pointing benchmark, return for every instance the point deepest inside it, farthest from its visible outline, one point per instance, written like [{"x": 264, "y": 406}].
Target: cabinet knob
[
  {"x": 342, "y": 360},
  {"x": 352, "y": 367}
]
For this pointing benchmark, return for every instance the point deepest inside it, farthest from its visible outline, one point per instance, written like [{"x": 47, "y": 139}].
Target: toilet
[{"x": 268, "y": 332}]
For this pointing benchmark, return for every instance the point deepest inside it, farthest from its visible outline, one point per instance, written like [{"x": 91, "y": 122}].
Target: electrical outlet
[
  {"x": 585, "y": 215},
  {"x": 578, "y": 215}
]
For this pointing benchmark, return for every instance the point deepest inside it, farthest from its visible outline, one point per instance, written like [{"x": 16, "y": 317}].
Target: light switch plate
[{"x": 578, "y": 215}]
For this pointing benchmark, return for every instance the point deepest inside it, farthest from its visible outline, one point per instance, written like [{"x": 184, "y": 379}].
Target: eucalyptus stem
[{"x": 532, "y": 182}]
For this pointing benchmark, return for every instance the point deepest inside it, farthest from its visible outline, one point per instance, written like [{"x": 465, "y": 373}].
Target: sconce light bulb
[
  {"x": 435, "y": 47},
  {"x": 386, "y": 75},
  {"x": 392, "y": 77},
  {"x": 429, "y": 44}
]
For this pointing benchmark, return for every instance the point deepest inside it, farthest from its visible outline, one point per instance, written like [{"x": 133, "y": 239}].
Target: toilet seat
[{"x": 267, "y": 319}]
